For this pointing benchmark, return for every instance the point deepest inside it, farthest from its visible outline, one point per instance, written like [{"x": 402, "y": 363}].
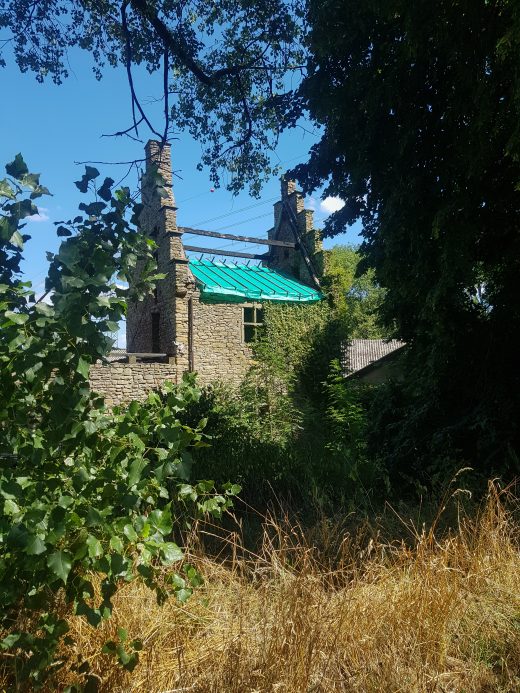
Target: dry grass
[{"x": 440, "y": 616}]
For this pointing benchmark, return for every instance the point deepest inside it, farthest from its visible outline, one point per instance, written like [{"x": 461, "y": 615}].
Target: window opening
[
  {"x": 156, "y": 336},
  {"x": 253, "y": 321}
]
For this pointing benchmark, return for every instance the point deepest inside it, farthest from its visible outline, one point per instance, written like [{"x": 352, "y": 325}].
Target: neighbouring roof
[
  {"x": 358, "y": 354},
  {"x": 220, "y": 282}
]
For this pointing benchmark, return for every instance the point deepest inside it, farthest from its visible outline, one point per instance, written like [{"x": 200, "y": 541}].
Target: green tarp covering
[{"x": 220, "y": 282}]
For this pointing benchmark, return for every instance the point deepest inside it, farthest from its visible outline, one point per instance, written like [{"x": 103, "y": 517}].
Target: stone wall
[
  {"x": 123, "y": 382},
  {"x": 219, "y": 351}
]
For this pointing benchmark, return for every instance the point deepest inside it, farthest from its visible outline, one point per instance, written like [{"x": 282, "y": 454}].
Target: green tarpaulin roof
[{"x": 233, "y": 283}]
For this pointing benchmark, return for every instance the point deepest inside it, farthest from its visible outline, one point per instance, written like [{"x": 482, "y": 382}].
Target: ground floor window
[
  {"x": 156, "y": 335},
  {"x": 253, "y": 320}
]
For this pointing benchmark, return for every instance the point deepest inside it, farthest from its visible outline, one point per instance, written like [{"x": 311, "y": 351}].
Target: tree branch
[
  {"x": 174, "y": 45},
  {"x": 166, "y": 92},
  {"x": 247, "y": 114},
  {"x": 120, "y": 133},
  {"x": 128, "y": 61}
]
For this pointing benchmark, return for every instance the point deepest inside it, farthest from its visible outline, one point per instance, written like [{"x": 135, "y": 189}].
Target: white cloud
[
  {"x": 331, "y": 204},
  {"x": 41, "y": 216}
]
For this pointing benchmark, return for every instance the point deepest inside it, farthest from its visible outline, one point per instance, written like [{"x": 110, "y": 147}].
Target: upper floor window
[{"x": 253, "y": 320}]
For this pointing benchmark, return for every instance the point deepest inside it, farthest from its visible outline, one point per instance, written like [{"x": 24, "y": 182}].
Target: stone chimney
[
  {"x": 290, "y": 211},
  {"x": 160, "y": 322}
]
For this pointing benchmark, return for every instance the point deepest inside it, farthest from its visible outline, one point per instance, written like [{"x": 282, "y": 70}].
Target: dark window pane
[
  {"x": 156, "y": 339},
  {"x": 249, "y": 333},
  {"x": 259, "y": 316},
  {"x": 249, "y": 314}
]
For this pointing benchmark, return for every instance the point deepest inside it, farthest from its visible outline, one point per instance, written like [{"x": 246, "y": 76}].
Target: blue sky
[{"x": 56, "y": 126}]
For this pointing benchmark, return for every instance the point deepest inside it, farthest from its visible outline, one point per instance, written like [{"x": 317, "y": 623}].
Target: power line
[
  {"x": 245, "y": 221},
  {"x": 280, "y": 161},
  {"x": 236, "y": 211}
]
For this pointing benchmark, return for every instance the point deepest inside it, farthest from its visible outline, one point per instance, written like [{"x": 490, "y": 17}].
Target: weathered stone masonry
[
  {"x": 123, "y": 382},
  {"x": 194, "y": 335}
]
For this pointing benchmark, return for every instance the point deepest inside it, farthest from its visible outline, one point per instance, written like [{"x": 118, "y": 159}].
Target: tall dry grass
[{"x": 441, "y": 615}]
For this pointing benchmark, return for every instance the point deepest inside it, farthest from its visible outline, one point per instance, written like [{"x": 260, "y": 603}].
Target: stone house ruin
[{"x": 203, "y": 316}]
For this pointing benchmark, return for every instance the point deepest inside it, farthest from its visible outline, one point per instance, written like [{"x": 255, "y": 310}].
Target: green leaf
[
  {"x": 16, "y": 239},
  {"x": 94, "y": 209},
  {"x": 17, "y": 168},
  {"x": 95, "y": 550},
  {"x": 90, "y": 174},
  {"x": 162, "y": 520},
  {"x": 83, "y": 367},
  {"x": 10, "y": 640},
  {"x": 183, "y": 595},
  {"x": 35, "y": 546},
  {"x": 11, "y": 508},
  {"x": 136, "y": 469},
  {"x": 65, "y": 501},
  {"x": 116, "y": 544},
  {"x": 60, "y": 562},
  {"x": 94, "y": 517},
  {"x": 171, "y": 553},
  {"x": 104, "y": 191},
  {"x": 133, "y": 408},
  {"x": 44, "y": 309},
  {"x": 109, "y": 647},
  {"x": 185, "y": 465},
  {"x": 136, "y": 441},
  {"x": 17, "y": 318},
  {"x": 130, "y": 533},
  {"x": 193, "y": 575},
  {"x": 6, "y": 189}
]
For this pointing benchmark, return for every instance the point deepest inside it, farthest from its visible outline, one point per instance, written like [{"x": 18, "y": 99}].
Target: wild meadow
[{"x": 327, "y": 608}]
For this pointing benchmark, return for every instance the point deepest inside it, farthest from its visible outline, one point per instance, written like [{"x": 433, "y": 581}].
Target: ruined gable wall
[{"x": 292, "y": 262}]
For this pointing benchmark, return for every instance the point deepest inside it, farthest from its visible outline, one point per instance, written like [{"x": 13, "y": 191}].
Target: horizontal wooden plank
[
  {"x": 234, "y": 237},
  {"x": 230, "y": 253}
]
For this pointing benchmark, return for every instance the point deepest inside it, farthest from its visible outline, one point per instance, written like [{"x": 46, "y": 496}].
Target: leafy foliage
[
  {"x": 356, "y": 469},
  {"x": 293, "y": 425},
  {"x": 82, "y": 490},
  {"x": 354, "y": 293},
  {"x": 419, "y": 104},
  {"x": 225, "y": 64}
]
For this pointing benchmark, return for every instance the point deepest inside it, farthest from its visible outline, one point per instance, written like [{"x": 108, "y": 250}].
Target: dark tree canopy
[{"x": 420, "y": 105}]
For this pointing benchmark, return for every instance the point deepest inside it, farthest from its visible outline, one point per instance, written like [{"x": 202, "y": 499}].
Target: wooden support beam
[
  {"x": 233, "y": 237},
  {"x": 296, "y": 231},
  {"x": 231, "y": 253}
]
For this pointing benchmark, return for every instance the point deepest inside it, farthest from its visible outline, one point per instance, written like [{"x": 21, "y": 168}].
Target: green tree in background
[
  {"x": 354, "y": 293},
  {"x": 420, "y": 108}
]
